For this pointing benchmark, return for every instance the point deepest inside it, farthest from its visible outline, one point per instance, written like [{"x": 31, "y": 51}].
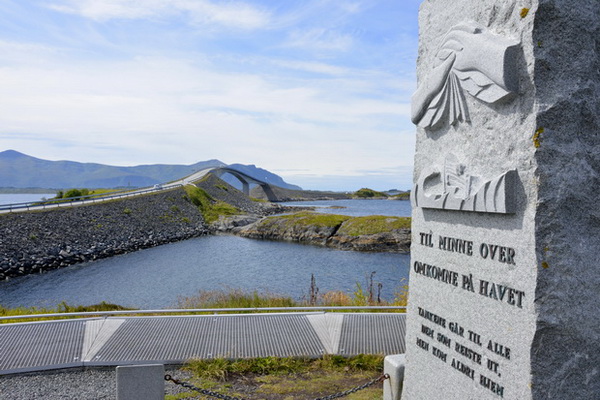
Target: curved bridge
[{"x": 244, "y": 178}]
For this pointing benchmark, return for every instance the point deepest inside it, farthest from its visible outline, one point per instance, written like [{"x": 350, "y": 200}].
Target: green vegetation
[
  {"x": 372, "y": 224},
  {"x": 235, "y": 298},
  {"x": 285, "y": 378},
  {"x": 402, "y": 196},
  {"x": 220, "y": 368},
  {"x": 307, "y": 218},
  {"x": 61, "y": 308},
  {"x": 351, "y": 226},
  {"x": 75, "y": 194},
  {"x": 366, "y": 193},
  {"x": 210, "y": 208}
]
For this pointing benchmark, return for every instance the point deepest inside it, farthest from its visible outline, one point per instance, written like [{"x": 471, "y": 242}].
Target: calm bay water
[
  {"x": 157, "y": 277},
  {"x": 357, "y": 208}
]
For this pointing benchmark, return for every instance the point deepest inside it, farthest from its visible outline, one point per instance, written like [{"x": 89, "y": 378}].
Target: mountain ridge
[{"x": 19, "y": 170}]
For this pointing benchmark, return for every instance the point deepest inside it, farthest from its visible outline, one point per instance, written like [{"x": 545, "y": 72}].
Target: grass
[
  {"x": 285, "y": 378},
  {"x": 308, "y": 218},
  {"x": 104, "y": 191},
  {"x": 402, "y": 196},
  {"x": 210, "y": 208},
  {"x": 236, "y": 298},
  {"x": 366, "y": 193},
  {"x": 351, "y": 226},
  {"x": 61, "y": 308},
  {"x": 373, "y": 224}
]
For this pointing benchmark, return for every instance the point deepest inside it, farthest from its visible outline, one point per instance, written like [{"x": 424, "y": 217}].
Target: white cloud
[
  {"x": 316, "y": 67},
  {"x": 229, "y": 14},
  {"x": 120, "y": 94},
  {"x": 171, "y": 110},
  {"x": 319, "y": 39}
]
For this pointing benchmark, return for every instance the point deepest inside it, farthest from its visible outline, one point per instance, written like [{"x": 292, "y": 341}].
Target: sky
[{"x": 316, "y": 91}]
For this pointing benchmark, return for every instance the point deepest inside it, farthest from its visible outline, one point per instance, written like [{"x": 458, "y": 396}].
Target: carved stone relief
[
  {"x": 451, "y": 187},
  {"x": 470, "y": 59}
]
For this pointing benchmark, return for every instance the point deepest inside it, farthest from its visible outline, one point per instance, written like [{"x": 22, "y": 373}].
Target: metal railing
[
  {"x": 206, "y": 310},
  {"x": 81, "y": 200}
]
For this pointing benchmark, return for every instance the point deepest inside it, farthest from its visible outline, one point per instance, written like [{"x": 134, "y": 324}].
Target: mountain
[{"x": 22, "y": 171}]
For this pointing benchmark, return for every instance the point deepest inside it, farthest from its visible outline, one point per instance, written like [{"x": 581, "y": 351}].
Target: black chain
[{"x": 207, "y": 392}]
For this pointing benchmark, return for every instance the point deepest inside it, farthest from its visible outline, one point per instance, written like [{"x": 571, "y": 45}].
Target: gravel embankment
[
  {"x": 72, "y": 384},
  {"x": 32, "y": 242}
]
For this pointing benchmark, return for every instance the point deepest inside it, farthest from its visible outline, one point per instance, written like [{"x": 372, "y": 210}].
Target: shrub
[
  {"x": 366, "y": 193},
  {"x": 72, "y": 193}
]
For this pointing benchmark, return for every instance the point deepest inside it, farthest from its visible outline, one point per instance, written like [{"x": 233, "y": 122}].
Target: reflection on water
[{"x": 156, "y": 277}]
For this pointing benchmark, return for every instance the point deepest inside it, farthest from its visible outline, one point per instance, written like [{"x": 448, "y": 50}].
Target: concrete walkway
[{"x": 111, "y": 341}]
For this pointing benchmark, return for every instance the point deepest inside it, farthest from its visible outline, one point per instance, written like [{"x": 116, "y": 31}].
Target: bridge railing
[
  {"x": 206, "y": 311},
  {"x": 79, "y": 200}
]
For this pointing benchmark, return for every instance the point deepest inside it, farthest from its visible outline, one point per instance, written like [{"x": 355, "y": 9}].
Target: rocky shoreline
[
  {"x": 39, "y": 241},
  {"x": 34, "y": 242},
  {"x": 335, "y": 235}
]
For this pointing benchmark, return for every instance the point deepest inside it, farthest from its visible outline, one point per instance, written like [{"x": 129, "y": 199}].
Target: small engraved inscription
[
  {"x": 475, "y": 338},
  {"x": 443, "y": 339},
  {"x": 456, "y": 245},
  {"x": 426, "y": 239},
  {"x": 438, "y": 353},
  {"x": 427, "y": 331},
  {"x": 467, "y": 352},
  {"x": 457, "y": 329},
  {"x": 499, "y": 349},
  {"x": 500, "y": 253},
  {"x": 501, "y": 293},
  {"x": 432, "y": 317},
  {"x": 433, "y": 272},
  {"x": 491, "y": 385},
  {"x": 469, "y": 361},
  {"x": 465, "y": 369},
  {"x": 422, "y": 344},
  {"x": 487, "y": 251}
]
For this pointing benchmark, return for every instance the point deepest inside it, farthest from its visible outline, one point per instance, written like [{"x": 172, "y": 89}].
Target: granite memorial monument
[{"x": 504, "y": 296}]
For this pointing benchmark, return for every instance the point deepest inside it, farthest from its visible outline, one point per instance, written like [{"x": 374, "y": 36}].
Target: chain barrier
[{"x": 217, "y": 395}]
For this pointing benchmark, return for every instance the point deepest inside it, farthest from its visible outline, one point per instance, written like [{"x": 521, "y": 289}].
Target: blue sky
[{"x": 317, "y": 91}]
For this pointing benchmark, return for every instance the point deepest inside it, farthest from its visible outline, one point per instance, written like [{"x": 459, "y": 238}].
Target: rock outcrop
[{"x": 392, "y": 234}]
